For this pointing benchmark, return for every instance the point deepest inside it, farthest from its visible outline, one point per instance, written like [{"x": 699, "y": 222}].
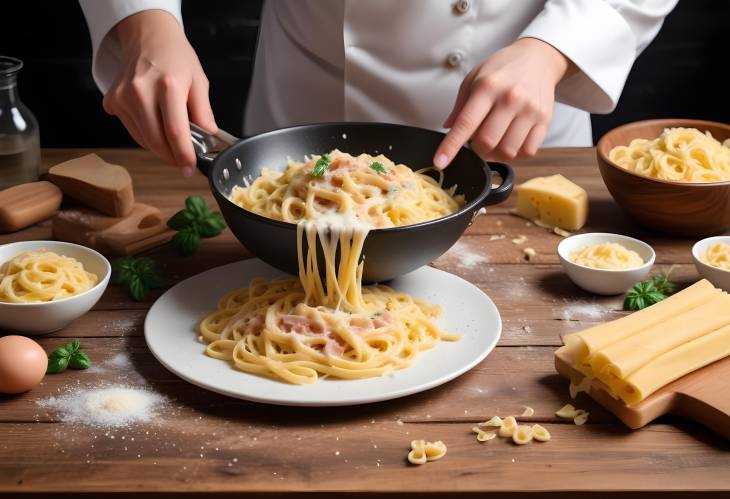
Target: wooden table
[{"x": 207, "y": 442}]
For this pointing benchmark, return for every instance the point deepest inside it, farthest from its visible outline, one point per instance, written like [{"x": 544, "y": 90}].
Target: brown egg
[{"x": 23, "y": 364}]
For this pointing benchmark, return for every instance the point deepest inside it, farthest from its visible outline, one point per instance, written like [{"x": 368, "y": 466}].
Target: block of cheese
[
  {"x": 142, "y": 229},
  {"x": 96, "y": 184},
  {"x": 27, "y": 204},
  {"x": 554, "y": 201}
]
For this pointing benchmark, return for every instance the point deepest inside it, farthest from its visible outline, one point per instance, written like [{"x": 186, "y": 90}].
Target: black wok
[{"x": 388, "y": 253}]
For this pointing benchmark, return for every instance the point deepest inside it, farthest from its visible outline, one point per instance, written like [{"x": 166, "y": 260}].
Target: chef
[{"x": 506, "y": 76}]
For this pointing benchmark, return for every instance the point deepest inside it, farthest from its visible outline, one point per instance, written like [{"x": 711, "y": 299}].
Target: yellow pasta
[
  {"x": 483, "y": 436},
  {"x": 718, "y": 255},
  {"x": 325, "y": 323},
  {"x": 540, "y": 433},
  {"x": 607, "y": 256},
  {"x": 422, "y": 451},
  {"x": 522, "y": 435},
  {"x": 635, "y": 356},
  {"x": 678, "y": 154},
  {"x": 508, "y": 427},
  {"x": 41, "y": 275}
]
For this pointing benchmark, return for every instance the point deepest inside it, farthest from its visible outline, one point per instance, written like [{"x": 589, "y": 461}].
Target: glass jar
[{"x": 20, "y": 147}]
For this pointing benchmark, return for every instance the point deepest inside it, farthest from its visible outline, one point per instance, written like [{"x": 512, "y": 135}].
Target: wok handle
[
  {"x": 207, "y": 145},
  {"x": 502, "y": 192}
]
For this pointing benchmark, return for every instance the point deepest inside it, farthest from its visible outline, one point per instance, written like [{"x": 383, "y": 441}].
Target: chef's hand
[
  {"x": 160, "y": 86},
  {"x": 504, "y": 105}
]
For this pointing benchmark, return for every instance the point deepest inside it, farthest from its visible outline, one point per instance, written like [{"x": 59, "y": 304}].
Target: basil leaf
[
  {"x": 144, "y": 264},
  {"x": 321, "y": 166},
  {"x": 58, "y": 353},
  {"x": 137, "y": 288},
  {"x": 378, "y": 167},
  {"x": 181, "y": 220},
  {"x": 663, "y": 284},
  {"x": 654, "y": 297},
  {"x": 57, "y": 365},
  {"x": 79, "y": 360},
  {"x": 186, "y": 242},
  {"x": 211, "y": 226},
  {"x": 151, "y": 279},
  {"x": 122, "y": 269},
  {"x": 197, "y": 206},
  {"x": 72, "y": 346}
]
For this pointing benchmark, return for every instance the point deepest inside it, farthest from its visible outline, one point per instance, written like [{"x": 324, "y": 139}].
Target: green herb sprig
[
  {"x": 378, "y": 167},
  {"x": 192, "y": 223},
  {"x": 69, "y": 355},
  {"x": 322, "y": 165},
  {"x": 139, "y": 275},
  {"x": 663, "y": 284},
  {"x": 646, "y": 293}
]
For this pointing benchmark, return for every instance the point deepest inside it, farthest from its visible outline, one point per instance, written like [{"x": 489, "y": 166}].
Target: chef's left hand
[{"x": 504, "y": 105}]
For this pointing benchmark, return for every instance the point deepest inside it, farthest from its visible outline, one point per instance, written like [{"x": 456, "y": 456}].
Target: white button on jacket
[{"x": 402, "y": 61}]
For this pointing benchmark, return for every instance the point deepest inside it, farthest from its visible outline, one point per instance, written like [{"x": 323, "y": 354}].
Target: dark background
[{"x": 683, "y": 73}]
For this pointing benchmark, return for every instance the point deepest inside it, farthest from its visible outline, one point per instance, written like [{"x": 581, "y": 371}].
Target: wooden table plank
[
  {"x": 252, "y": 448},
  {"x": 227, "y": 454}
]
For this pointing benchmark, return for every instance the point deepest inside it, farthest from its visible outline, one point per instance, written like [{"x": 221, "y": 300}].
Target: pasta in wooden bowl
[{"x": 669, "y": 174}]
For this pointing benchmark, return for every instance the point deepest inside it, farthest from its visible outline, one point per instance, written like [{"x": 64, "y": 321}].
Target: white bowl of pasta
[
  {"x": 44, "y": 285},
  {"x": 604, "y": 263},
  {"x": 712, "y": 260}
]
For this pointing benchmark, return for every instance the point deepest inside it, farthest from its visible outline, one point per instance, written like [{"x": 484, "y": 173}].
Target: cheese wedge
[
  {"x": 554, "y": 201},
  {"x": 95, "y": 183}
]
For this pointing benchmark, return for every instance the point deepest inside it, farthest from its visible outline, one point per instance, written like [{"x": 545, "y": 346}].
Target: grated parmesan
[{"x": 114, "y": 405}]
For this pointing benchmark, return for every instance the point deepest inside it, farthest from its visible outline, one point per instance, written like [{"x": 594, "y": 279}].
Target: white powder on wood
[
  {"x": 114, "y": 405},
  {"x": 120, "y": 360},
  {"x": 584, "y": 310},
  {"x": 466, "y": 257}
]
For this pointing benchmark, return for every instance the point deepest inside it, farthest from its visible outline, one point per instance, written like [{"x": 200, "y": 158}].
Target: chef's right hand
[{"x": 160, "y": 87}]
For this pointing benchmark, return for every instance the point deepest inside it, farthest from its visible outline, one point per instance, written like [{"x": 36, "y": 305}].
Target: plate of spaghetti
[
  {"x": 323, "y": 338},
  {"x": 172, "y": 331}
]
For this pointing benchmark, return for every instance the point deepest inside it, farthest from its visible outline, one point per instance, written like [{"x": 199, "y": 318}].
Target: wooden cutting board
[{"x": 703, "y": 396}]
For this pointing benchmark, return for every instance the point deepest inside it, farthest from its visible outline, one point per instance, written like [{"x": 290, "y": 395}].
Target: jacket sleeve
[
  {"x": 602, "y": 38},
  {"x": 102, "y": 16}
]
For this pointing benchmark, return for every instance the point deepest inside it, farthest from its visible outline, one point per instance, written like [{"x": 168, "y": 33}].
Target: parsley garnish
[
  {"x": 194, "y": 222},
  {"x": 322, "y": 165},
  {"x": 69, "y": 355},
  {"x": 649, "y": 292},
  {"x": 139, "y": 275},
  {"x": 663, "y": 284},
  {"x": 378, "y": 167}
]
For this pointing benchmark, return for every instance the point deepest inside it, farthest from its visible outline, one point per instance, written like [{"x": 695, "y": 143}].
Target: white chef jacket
[{"x": 402, "y": 61}]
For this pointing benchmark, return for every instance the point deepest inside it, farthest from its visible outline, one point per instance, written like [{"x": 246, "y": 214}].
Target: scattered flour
[
  {"x": 584, "y": 310},
  {"x": 466, "y": 257},
  {"x": 108, "y": 406},
  {"x": 120, "y": 361}
]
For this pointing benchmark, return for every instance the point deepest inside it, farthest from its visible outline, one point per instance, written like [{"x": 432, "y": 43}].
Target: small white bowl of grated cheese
[
  {"x": 604, "y": 263},
  {"x": 712, "y": 260}
]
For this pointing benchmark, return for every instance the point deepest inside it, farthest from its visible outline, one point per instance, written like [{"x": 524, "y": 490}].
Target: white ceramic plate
[{"x": 171, "y": 334}]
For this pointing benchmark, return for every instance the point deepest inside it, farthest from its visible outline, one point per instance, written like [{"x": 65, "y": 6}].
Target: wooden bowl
[{"x": 678, "y": 208}]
